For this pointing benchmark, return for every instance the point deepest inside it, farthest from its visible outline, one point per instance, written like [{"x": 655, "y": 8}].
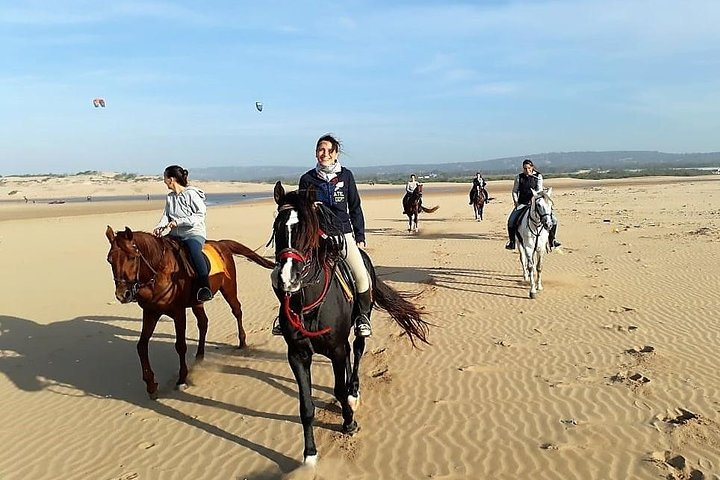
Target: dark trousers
[{"x": 512, "y": 220}]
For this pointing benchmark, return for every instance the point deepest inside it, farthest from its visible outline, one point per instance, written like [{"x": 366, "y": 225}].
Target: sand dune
[{"x": 609, "y": 374}]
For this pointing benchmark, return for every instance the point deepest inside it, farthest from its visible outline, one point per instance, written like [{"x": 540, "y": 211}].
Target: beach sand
[{"x": 610, "y": 373}]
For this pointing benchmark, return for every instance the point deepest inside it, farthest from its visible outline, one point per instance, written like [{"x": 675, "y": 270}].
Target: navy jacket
[{"x": 341, "y": 196}]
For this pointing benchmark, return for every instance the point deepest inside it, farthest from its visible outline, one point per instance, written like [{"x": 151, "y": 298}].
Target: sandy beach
[{"x": 609, "y": 374}]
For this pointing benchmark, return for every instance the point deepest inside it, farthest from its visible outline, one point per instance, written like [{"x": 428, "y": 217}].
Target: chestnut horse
[
  {"x": 413, "y": 206},
  {"x": 151, "y": 271},
  {"x": 317, "y": 307}
]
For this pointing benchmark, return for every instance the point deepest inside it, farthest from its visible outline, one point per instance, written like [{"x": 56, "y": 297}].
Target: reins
[
  {"x": 137, "y": 285},
  {"x": 296, "y": 318}
]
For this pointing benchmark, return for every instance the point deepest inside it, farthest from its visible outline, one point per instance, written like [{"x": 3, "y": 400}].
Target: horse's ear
[
  {"x": 128, "y": 233},
  {"x": 110, "y": 234},
  {"x": 279, "y": 193}
]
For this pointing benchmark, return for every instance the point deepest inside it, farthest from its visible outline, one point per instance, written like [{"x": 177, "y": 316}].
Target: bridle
[
  {"x": 290, "y": 253},
  {"x": 136, "y": 285},
  {"x": 536, "y": 222}
]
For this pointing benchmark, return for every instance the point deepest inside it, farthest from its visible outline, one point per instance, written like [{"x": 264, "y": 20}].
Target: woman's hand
[
  {"x": 172, "y": 224},
  {"x": 361, "y": 245},
  {"x": 158, "y": 231}
]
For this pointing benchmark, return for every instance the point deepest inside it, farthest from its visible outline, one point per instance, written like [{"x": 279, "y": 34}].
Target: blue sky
[{"x": 397, "y": 81}]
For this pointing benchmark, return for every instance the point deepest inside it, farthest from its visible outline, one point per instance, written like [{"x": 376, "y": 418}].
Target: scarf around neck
[{"x": 328, "y": 173}]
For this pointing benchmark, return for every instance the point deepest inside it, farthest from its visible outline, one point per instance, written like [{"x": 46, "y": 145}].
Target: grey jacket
[{"x": 188, "y": 210}]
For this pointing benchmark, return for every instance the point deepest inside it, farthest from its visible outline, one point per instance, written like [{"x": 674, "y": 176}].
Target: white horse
[{"x": 532, "y": 238}]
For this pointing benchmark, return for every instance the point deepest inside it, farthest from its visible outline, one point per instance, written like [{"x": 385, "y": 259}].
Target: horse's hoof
[
  {"x": 533, "y": 295},
  {"x": 310, "y": 461},
  {"x": 153, "y": 395},
  {"x": 351, "y": 429},
  {"x": 181, "y": 387},
  {"x": 354, "y": 401}
]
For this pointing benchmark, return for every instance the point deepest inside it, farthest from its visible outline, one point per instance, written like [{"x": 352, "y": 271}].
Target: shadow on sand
[{"x": 94, "y": 356}]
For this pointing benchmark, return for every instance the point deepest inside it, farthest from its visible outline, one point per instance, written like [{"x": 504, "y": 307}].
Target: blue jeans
[{"x": 194, "y": 245}]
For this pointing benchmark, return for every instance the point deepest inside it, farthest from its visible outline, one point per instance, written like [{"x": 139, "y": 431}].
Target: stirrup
[
  {"x": 204, "y": 294},
  {"x": 362, "y": 326},
  {"x": 276, "y": 330}
]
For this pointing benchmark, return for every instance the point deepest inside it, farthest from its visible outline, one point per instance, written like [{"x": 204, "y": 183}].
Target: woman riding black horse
[
  {"x": 318, "y": 303},
  {"x": 334, "y": 187}
]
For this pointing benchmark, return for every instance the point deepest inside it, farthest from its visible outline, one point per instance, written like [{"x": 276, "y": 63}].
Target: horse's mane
[
  {"x": 315, "y": 219},
  {"x": 151, "y": 246},
  {"x": 547, "y": 197}
]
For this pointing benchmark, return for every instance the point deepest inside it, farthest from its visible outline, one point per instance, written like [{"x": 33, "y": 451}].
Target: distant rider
[
  {"x": 478, "y": 186},
  {"x": 410, "y": 187}
]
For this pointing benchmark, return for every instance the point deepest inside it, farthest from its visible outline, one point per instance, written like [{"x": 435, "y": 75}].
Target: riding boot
[
  {"x": 204, "y": 292},
  {"x": 552, "y": 241},
  {"x": 511, "y": 235},
  {"x": 362, "y": 320}
]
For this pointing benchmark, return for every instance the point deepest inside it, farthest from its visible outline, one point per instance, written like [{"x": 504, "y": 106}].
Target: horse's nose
[{"x": 124, "y": 297}]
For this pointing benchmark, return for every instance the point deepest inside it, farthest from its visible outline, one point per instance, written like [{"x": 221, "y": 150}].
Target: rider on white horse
[{"x": 526, "y": 184}]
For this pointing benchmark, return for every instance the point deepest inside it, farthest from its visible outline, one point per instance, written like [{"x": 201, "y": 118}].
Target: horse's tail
[
  {"x": 237, "y": 248},
  {"x": 430, "y": 210},
  {"x": 402, "y": 311}
]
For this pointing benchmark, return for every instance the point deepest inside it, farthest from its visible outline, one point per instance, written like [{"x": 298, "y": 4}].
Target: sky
[{"x": 396, "y": 81}]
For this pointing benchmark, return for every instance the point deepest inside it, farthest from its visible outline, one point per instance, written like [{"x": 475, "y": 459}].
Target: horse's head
[
  {"x": 542, "y": 205},
  {"x": 125, "y": 258},
  {"x": 296, "y": 232}
]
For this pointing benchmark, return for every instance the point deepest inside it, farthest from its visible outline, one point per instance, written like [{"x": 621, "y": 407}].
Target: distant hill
[{"x": 555, "y": 163}]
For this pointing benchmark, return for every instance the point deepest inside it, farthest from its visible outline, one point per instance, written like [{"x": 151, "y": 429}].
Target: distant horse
[
  {"x": 479, "y": 199},
  {"x": 317, "y": 307},
  {"x": 153, "y": 272},
  {"x": 532, "y": 238},
  {"x": 413, "y": 206}
]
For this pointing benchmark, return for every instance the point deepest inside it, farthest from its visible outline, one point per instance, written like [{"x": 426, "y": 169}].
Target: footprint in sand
[
  {"x": 479, "y": 368},
  {"x": 679, "y": 417},
  {"x": 628, "y": 378},
  {"x": 640, "y": 350},
  {"x": 676, "y": 466}
]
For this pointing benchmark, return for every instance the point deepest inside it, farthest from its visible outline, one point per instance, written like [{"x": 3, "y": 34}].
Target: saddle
[{"x": 213, "y": 260}]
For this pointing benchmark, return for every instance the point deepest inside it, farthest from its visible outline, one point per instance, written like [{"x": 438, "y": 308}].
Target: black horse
[
  {"x": 478, "y": 199},
  {"x": 412, "y": 206},
  {"x": 317, "y": 307}
]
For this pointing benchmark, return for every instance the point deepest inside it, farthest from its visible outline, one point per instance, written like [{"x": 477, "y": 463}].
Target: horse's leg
[
  {"x": 538, "y": 267},
  {"x": 531, "y": 271},
  {"x": 409, "y": 222},
  {"x": 149, "y": 320},
  {"x": 229, "y": 292},
  {"x": 180, "y": 319},
  {"x": 354, "y": 380},
  {"x": 300, "y": 360},
  {"x": 202, "y": 324},
  {"x": 340, "y": 358},
  {"x": 523, "y": 261}
]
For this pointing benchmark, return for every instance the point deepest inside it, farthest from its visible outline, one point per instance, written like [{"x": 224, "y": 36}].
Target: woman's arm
[{"x": 355, "y": 209}]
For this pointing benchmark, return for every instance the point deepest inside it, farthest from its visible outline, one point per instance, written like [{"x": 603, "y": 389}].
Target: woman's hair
[
  {"x": 178, "y": 173},
  {"x": 328, "y": 137},
  {"x": 413, "y": 175},
  {"x": 527, "y": 161}
]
